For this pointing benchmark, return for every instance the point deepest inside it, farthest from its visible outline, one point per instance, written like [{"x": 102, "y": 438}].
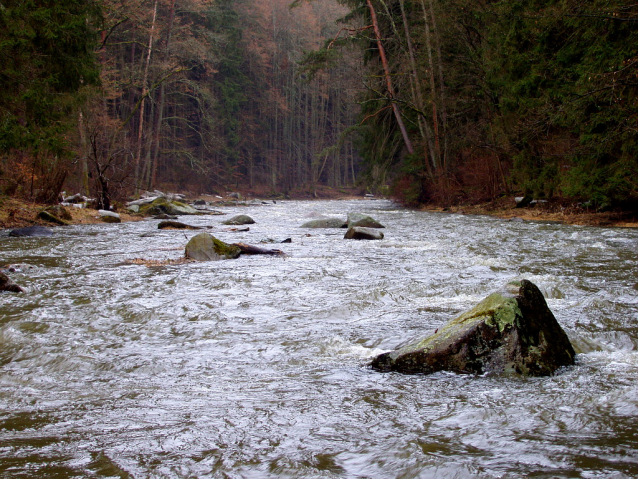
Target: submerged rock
[
  {"x": 7, "y": 285},
  {"x": 359, "y": 219},
  {"x": 510, "y": 331},
  {"x": 31, "y": 231},
  {"x": 205, "y": 247},
  {"x": 239, "y": 220},
  {"x": 324, "y": 223},
  {"x": 361, "y": 233}
]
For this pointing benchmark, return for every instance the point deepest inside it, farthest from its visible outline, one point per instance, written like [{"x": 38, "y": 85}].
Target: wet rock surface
[
  {"x": 365, "y": 221},
  {"x": 31, "y": 231},
  {"x": 205, "y": 247},
  {"x": 363, "y": 233},
  {"x": 239, "y": 220},
  {"x": 324, "y": 223},
  {"x": 7, "y": 285},
  {"x": 510, "y": 331}
]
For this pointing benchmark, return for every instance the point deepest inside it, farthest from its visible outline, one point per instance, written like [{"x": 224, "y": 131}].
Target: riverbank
[
  {"x": 15, "y": 213},
  {"x": 565, "y": 214}
]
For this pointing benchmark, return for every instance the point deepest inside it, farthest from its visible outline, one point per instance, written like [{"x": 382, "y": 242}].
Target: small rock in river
[
  {"x": 31, "y": 231},
  {"x": 239, "y": 220},
  {"x": 361, "y": 233}
]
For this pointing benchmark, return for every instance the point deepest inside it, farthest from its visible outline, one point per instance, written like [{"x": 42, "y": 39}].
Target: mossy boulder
[
  {"x": 164, "y": 206},
  {"x": 324, "y": 223},
  {"x": 510, "y": 331},
  {"x": 59, "y": 211},
  {"x": 205, "y": 247},
  {"x": 365, "y": 221},
  {"x": 239, "y": 220},
  {"x": 361, "y": 233},
  {"x": 51, "y": 218}
]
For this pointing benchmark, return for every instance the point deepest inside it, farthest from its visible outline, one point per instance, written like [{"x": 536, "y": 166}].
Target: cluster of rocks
[{"x": 359, "y": 226}]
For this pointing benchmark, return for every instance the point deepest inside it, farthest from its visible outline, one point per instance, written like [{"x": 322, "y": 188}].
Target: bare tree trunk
[
  {"x": 388, "y": 78},
  {"x": 441, "y": 83},
  {"x": 423, "y": 124},
  {"x": 435, "y": 119},
  {"x": 144, "y": 92},
  {"x": 83, "y": 159},
  {"x": 160, "y": 112}
]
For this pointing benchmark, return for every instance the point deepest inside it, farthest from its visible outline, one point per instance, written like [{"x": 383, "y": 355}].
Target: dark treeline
[
  {"x": 108, "y": 98},
  {"x": 437, "y": 101},
  {"x": 474, "y": 99}
]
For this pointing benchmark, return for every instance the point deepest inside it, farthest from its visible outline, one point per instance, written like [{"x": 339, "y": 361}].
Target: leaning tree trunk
[
  {"x": 144, "y": 93},
  {"x": 388, "y": 78}
]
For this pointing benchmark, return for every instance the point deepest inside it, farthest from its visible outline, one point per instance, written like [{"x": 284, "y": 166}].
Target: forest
[{"x": 428, "y": 101}]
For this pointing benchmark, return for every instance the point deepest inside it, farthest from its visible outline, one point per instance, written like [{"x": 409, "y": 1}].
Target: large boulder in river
[
  {"x": 324, "y": 223},
  {"x": 31, "y": 231},
  {"x": 510, "y": 331},
  {"x": 7, "y": 285},
  {"x": 365, "y": 221},
  {"x": 164, "y": 206},
  {"x": 205, "y": 247},
  {"x": 361, "y": 233}
]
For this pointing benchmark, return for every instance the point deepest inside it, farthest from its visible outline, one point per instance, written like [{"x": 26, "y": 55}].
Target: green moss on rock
[
  {"x": 510, "y": 331},
  {"x": 163, "y": 206},
  {"x": 205, "y": 247}
]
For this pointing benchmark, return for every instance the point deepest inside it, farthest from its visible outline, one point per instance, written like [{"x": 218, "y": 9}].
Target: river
[{"x": 257, "y": 367}]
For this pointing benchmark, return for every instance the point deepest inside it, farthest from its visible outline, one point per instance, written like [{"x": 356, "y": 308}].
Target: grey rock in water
[
  {"x": 325, "y": 223},
  {"x": 510, "y": 331},
  {"x": 7, "y": 285},
  {"x": 359, "y": 219},
  {"x": 31, "y": 231},
  {"x": 17, "y": 268},
  {"x": 239, "y": 220},
  {"x": 361, "y": 233},
  {"x": 165, "y": 206},
  {"x": 205, "y": 247},
  {"x": 168, "y": 224}
]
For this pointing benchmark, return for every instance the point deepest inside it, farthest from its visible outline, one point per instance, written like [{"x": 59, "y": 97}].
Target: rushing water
[{"x": 256, "y": 367}]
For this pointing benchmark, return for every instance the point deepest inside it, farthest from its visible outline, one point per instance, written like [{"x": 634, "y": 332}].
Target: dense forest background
[{"x": 429, "y": 100}]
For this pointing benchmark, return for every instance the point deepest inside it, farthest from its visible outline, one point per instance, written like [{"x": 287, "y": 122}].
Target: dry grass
[
  {"x": 566, "y": 214},
  {"x": 15, "y": 213}
]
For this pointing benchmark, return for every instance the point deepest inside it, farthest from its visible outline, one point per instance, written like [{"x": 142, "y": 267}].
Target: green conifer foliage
[{"x": 46, "y": 54}]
